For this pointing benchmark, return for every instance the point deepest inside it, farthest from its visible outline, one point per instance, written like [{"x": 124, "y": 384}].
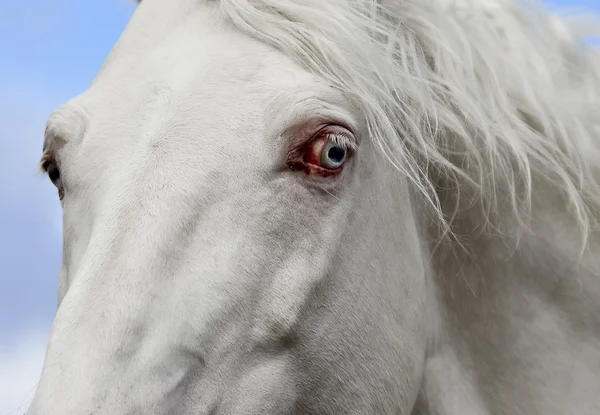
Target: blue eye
[{"x": 333, "y": 155}]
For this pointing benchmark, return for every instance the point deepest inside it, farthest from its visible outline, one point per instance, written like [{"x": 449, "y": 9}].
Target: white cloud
[{"x": 21, "y": 361}]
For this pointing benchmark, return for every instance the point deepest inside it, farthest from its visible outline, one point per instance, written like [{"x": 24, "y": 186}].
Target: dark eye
[{"x": 54, "y": 174}]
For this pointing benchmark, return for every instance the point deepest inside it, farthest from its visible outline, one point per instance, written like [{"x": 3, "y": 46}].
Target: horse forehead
[
  {"x": 204, "y": 82},
  {"x": 199, "y": 61}
]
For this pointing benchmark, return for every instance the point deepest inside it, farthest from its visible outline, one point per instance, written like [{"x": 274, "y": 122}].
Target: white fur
[{"x": 201, "y": 275}]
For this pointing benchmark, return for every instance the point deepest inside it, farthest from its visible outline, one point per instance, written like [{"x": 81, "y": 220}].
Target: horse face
[{"x": 232, "y": 242}]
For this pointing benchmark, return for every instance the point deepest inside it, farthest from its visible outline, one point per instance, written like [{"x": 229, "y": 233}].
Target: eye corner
[{"x": 45, "y": 161}]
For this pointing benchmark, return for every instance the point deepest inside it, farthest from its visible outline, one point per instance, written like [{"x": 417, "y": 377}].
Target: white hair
[{"x": 481, "y": 96}]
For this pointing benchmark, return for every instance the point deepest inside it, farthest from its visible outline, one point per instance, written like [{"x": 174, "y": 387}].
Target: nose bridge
[
  {"x": 104, "y": 339},
  {"x": 123, "y": 272},
  {"x": 105, "y": 356},
  {"x": 140, "y": 217}
]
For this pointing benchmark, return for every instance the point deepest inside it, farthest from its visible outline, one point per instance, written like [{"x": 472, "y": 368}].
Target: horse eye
[
  {"x": 54, "y": 175},
  {"x": 329, "y": 152},
  {"x": 325, "y": 154},
  {"x": 333, "y": 155}
]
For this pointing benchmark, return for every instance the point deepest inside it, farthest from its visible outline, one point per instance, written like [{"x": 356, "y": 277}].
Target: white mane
[{"x": 485, "y": 95}]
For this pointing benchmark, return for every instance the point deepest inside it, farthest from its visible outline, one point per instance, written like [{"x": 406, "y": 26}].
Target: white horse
[{"x": 330, "y": 207}]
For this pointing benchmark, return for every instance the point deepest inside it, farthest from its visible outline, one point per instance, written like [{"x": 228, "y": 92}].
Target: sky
[{"x": 50, "y": 51}]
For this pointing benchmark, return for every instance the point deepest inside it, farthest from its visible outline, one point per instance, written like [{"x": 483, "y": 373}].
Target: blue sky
[{"x": 49, "y": 52}]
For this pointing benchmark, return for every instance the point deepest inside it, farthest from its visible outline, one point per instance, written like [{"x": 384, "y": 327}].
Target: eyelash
[{"x": 341, "y": 140}]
